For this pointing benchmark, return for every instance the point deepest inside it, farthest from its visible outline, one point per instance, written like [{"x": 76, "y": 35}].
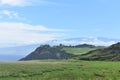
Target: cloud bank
[
  {"x": 23, "y": 3},
  {"x": 15, "y": 34},
  {"x": 9, "y": 14},
  {"x": 14, "y": 2}
]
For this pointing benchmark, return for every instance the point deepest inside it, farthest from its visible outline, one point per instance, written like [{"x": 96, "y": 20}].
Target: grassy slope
[
  {"x": 111, "y": 53},
  {"x": 78, "y": 51},
  {"x": 60, "y": 70}
]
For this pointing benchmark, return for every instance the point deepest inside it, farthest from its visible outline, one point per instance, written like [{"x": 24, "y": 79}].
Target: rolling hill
[
  {"x": 80, "y": 49},
  {"x": 58, "y": 52},
  {"x": 17, "y": 52},
  {"x": 48, "y": 52},
  {"x": 111, "y": 53}
]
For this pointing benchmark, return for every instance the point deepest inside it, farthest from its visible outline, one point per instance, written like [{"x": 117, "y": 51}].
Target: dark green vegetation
[
  {"x": 60, "y": 70},
  {"x": 58, "y": 52},
  {"x": 48, "y": 52},
  {"x": 111, "y": 53}
]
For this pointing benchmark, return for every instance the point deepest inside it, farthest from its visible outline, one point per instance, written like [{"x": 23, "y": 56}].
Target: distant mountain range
[
  {"x": 100, "y": 41},
  {"x": 17, "y": 52}
]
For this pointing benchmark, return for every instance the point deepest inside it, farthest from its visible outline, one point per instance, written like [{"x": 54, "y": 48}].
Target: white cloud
[
  {"x": 9, "y": 14},
  {"x": 86, "y": 40},
  {"x": 22, "y": 3},
  {"x": 14, "y": 2},
  {"x": 21, "y": 34}
]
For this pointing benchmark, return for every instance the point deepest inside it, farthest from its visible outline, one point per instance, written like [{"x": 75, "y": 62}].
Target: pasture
[{"x": 59, "y": 70}]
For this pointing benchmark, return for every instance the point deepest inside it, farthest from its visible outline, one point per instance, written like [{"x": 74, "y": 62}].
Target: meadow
[
  {"x": 59, "y": 70},
  {"x": 78, "y": 51}
]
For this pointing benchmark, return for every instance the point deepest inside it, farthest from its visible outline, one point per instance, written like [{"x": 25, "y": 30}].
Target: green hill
[
  {"x": 81, "y": 49},
  {"x": 59, "y": 52},
  {"x": 48, "y": 52},
  {"x": 111, "y": 53},
  {"x": 78, "y": 51}
]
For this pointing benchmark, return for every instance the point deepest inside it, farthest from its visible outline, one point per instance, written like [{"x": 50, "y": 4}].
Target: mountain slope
[
  {"x": 48, "y": 52},
  {"x": 111, "y": 53},
  {"x": 18, "y": 52},
  {"x": 80, "y": 49}
]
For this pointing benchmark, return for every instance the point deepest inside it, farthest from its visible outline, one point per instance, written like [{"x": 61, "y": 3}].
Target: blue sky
[{"x": 35, "y": 21}]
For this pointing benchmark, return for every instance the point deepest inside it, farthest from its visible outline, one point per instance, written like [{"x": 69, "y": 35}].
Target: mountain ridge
[
  {"x": 25, "y": 49},
  {"x": 48, "y": 52},
  {"x": 111, "y": 53},
  {"x": 97, "y": 41}
]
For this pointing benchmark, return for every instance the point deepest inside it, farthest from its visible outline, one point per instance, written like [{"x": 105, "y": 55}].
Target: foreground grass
[{"x": 60, "y": 70}]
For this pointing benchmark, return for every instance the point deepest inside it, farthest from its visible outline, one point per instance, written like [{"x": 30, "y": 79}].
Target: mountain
[
  {"x": 48, "y": 52},
  {"x": 17, "y": 52},
  {"x": 111, "y": 53},
  {"x": 100, "y": 41}
]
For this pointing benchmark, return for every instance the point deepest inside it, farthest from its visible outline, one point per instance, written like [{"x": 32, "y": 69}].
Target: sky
[{"x": 24, "y": 22}]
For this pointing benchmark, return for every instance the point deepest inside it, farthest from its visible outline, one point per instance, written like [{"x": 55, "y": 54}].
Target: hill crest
[
  {"x": 48, "y": 52},
  {"x": 111, "y": 53}
]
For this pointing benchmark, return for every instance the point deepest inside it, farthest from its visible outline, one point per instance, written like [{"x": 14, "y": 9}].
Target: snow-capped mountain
[{"x": 100, "y": 41}]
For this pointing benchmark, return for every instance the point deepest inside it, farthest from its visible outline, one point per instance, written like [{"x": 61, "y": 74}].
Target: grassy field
[
  {"x": 60, "y": 70},
  {"x": 78, "y": 51}
]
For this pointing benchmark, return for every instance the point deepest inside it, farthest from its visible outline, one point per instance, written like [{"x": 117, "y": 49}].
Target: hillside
[
  {"x": 58, "y": 52},
  {"x": 111, "y": 53},
  {"x": 78, "y": 51},
  {"x": 48, "y": 52},
  {"x": 81, "y": 49},
  {"x": 17, "y": 52}
]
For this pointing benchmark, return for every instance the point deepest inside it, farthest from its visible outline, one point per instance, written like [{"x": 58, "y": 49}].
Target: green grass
[
  {"x": 60, "y": 70},
  {"x": 78, "y": 51}
]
